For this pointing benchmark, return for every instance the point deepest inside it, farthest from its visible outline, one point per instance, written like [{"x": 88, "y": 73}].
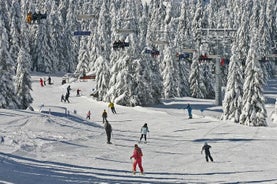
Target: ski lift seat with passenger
[
  {"x": 204, "y": 57},
  {"x": 154, "y": 52},
  {"x": 183, "y": 56},
  {"x": 120, "y": 44},
  {"x": 35, "y": 17}
]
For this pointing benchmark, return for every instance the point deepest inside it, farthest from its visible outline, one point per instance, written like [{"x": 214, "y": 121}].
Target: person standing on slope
[
  {"x": 108, "y": 129},
  {"x": 144, "y": 130},
  {"x": 137, "y": 155},
  {"x": 206, "y": 148},
  {"x": 41, "y": 82},
  {"x": 189, "y": 111},
  {"x": 104, "y": 116}
]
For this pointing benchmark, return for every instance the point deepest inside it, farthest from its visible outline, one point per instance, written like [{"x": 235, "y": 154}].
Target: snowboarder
[
  {"x": 137, "y": 155},
  {"x": 41, "y": 82},
  {"x": 108, "y": 129},
  {"x": 104, "y": 116},
  {"x": 111, "y": 105},
  {"x": 144, "y": 130},
  {"x": 189, "y": 111},
  {"x": 206, "y": 148},
  {"x": 78, "y": 92},
  {"x": 88, "y": 115},
  {"x": 67, "y": 98}
]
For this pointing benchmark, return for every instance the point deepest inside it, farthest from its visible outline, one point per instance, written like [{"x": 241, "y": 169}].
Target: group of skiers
[
  {"x": 137, "y": 152},
  {"x": 43, "y": 81},
  {"x": 66, "y": 97}
]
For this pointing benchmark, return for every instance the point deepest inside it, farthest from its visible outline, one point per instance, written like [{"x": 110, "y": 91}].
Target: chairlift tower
[{"x": 226, "y": 33}]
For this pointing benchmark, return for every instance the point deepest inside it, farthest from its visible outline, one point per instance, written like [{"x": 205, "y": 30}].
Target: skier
[
  {"x": 67, "y": 98},
  {"x": 144, "y": 130},
  {"x": 62, "y": 98},
  {"x": 41, "y": 82},
  {"x": 189, "y": 111},
  {"x": 68, "y": 90},
  {"x": 111, "y": 105},
  {"x": 88, "y": 115},
  {"x": 104, "y": 116},
  {"x": 206, "y": 148},
  {"x": 44, "y": 81},
  {"x": 78, "y": 92},
  {"x": 49, "y": 80},
  {"x": 108, "y": 129},
  {"x": 137, "y": 155}
]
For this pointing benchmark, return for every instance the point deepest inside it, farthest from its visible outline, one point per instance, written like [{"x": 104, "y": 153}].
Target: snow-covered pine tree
[
  {"x": 23, "y": 79},
  {"x": 196, "y": 84},
  {"x": 71, "y": 46},
  {"x": 43, "y": 58},
  {"x": 265, "y": 42},
  {"x": 103, "y": 42},
  {"x": 182, "y": 41},
  {"x": 15, "y": 30},
  {"x": 8, "y": 98},
  {"x": 232, "y": 103},
  {"x": 56, "y": 34},
  {"x": 253, "y": 102}
]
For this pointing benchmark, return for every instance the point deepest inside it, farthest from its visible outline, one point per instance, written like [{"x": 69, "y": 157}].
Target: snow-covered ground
[{"x": 43, "y": 148}]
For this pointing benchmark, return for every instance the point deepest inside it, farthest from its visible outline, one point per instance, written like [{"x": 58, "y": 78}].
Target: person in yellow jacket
[
  {"x": 29, "y": 17},
  {"x": 111, "y": 105}
]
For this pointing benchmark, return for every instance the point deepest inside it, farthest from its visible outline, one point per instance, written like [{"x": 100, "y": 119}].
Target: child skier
[
  {"x": 206, "y": 148},
  {"x": 137, "y": 155},
  {"x": 88, "y": 115},
  {"x": 144, "y": 130}
]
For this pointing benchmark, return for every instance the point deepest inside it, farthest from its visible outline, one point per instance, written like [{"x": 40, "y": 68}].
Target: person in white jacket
[{"x": 144, "y": 130}]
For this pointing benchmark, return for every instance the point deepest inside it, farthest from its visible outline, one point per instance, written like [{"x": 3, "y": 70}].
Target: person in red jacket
[{"x": 137, "y": 155}]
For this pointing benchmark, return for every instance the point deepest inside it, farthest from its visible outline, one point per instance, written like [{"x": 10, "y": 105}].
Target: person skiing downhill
[
  {"x": 108, "y": 129},
  {"x": 144, "y": 130},
  {"x": 111, "y": 105},
  {"x": 137, "y": 155},
  {"x": 206, "y": 148}
]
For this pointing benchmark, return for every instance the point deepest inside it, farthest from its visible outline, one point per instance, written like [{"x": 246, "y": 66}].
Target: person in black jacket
[
  {"x": 104, "y": 116},
  {"x": 206, "y": 148},
  {"x": 108, "y": 129}
]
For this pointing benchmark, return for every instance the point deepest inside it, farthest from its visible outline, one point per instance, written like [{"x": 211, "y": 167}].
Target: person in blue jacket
[{"x": 189, "y": 111}]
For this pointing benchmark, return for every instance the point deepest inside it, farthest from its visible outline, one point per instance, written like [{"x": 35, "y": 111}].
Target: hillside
[{"x": 42, "y": 148}]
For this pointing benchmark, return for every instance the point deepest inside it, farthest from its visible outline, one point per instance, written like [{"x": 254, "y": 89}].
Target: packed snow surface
[{"x": 55, "y": 147}]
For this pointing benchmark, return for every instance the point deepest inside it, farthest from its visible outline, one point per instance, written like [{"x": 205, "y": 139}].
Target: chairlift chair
[
  {"x": 82, "y": 33},
  {"x": 85, "y": 16},
  {"x": 125, "y": 30},
  {"x": 32, "y": 17},
  {"x": 120, "y": 44}
]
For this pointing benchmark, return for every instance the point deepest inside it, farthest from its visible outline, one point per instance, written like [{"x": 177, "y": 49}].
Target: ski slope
[{"x": 44, "y": 148}]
